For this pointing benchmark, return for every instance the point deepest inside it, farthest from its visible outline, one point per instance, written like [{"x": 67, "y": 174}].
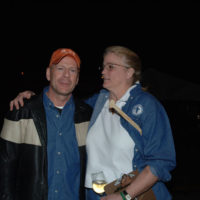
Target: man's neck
[{"x": 57, "y": 99}]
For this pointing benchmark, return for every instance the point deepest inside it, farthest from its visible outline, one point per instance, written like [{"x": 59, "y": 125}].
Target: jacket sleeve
[
  {"x": 9, "y": 152},
  {"x": 159, "y": 150}
]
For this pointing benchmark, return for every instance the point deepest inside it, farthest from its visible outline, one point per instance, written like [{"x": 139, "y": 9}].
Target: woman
[{"x": 114, "y": 146}]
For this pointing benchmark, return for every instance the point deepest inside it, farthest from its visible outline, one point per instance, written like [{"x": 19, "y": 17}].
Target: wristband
[
  {"x": 125, "y": 195},
  {"x": 122, "y": 195}
]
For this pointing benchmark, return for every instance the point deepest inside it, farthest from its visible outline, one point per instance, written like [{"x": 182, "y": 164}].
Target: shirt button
[
  {"x": 134, "y": 166},
  {"x": 59, "y": 153},
  {"x": 57, "y": 116},
  {"x": 57, "y": 172},
  {"x": 136, "y": 150},
  {"x": 56, "y": 191},
  {"x": 60, "y": 134}
]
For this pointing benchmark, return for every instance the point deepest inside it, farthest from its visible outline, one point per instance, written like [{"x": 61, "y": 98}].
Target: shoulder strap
[{"x": 125, "y": 116}]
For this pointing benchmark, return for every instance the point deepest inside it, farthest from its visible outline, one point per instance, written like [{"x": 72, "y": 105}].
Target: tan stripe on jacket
[
  {"x": 81, "y": 132},
  {"x": 21, "y": 132}
]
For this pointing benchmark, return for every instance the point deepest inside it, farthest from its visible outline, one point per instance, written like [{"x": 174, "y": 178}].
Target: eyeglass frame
[{"x": 101, "y": 68}]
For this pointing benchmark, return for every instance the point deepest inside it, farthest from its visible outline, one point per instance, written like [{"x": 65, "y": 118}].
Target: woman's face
[{"x": 116, "y": 75}]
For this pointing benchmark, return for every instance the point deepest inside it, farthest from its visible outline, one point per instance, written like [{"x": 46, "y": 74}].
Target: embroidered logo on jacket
[{"x": 137, "y": 110}]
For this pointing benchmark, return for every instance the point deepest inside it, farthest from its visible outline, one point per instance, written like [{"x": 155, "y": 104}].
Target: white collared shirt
[{"x": 109, "y": 146}]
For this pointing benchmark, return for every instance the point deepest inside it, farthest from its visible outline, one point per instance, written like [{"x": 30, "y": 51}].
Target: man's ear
[
  {"x": 48, "y": 73},
  {"x": 77, "y": 80}
]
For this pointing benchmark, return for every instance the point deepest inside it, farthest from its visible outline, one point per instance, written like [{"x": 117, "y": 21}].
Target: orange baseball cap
[{"x": 59, "y": 54}]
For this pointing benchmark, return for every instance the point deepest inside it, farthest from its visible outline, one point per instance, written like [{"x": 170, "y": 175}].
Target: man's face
[{"x": 63, "y": 76}]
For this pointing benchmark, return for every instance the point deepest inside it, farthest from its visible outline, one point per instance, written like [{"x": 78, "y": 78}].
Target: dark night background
[{"x": 165, "y": 36}]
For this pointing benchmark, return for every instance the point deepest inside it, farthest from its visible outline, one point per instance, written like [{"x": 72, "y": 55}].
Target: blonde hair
[{"x": 132, "y": 60}]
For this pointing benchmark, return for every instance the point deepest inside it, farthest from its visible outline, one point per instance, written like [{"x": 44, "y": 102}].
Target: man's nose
[{"x": 66, "y": 72}]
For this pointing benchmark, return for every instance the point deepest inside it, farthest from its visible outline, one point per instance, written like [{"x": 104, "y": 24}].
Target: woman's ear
[
  {"x": 48, "y": 73},
  {"x": 130, "y": 72}
]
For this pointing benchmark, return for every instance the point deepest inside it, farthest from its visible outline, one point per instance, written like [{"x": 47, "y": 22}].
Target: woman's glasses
[{"x": 110, "y": 66}]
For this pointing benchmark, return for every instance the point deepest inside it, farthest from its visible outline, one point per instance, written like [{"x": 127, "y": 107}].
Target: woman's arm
[
  {"x": 144, "y": 181},
  {"x": 18, "y": 100}
]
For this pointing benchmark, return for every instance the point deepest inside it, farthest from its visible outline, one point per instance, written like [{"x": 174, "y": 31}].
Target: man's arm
[
  {"x": 9, "y": 156},
  {"x": 8, "y": 169}
]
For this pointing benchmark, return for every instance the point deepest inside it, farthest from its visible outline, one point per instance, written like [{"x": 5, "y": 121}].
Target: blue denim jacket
[{"x": 155, "y": 147}]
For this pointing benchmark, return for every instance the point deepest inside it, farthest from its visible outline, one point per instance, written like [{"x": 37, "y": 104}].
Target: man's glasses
[{"x": 110, "y": 66}]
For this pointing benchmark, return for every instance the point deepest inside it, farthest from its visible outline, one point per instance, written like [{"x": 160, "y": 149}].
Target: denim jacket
[{"x": 155, "y": 147}]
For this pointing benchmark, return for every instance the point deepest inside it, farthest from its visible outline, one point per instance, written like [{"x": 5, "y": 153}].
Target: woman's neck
[{"x": 116, "y": 95}]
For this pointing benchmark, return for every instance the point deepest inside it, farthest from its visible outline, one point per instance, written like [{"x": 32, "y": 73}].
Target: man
[{"x": 42, "y": 145}]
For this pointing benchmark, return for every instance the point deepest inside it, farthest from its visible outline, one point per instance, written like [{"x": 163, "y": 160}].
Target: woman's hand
[
  {"x": 114, "y": 196},
  {"x": 18, "y": 101}
]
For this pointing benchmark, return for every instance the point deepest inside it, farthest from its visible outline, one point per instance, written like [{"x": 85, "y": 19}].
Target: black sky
[{"x": 165, "y": 35}]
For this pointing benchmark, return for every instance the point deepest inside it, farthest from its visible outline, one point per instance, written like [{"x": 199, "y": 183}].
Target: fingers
[
  {"x": 19, "y": 100},
  {"x": 16, "y": 102},
  {"x": 11, "y": 105},
  {"x": 28, "y": 94}
]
